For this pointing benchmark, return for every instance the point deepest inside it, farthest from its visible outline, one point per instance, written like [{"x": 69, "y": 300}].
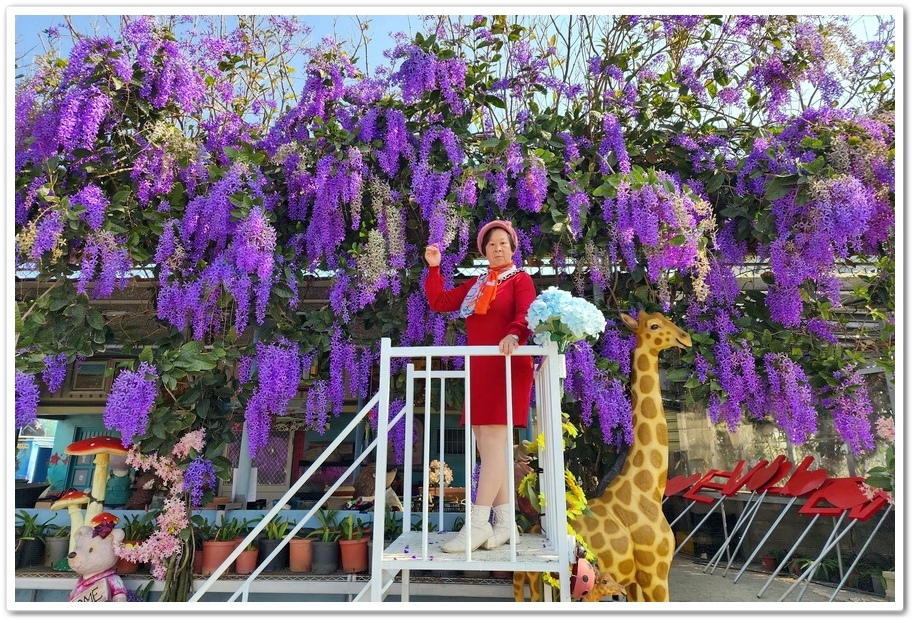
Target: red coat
[{"x": 506, "y": 315}]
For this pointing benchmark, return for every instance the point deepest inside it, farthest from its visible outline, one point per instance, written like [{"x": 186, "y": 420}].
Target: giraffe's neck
[{"x": 646, "y": 465}]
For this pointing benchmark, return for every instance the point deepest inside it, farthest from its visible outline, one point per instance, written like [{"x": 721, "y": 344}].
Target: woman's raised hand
[{"x": 433, "y": 255}]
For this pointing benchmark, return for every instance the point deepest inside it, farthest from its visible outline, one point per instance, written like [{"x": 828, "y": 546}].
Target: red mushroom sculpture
[
  {"x": 73, "y": 501},
  {"x": 102, "y": 448},
  {"x": 104, "y": 517}
]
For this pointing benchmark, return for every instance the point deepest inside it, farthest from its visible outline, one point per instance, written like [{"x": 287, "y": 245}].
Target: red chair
[
  {"x": 769, "y": 475},
  {"x": 838, "y": 498},
  {"x": 677, "y": 484},
  {"x": 733, "y": 481},
  {"x": 801, "y": 483}
]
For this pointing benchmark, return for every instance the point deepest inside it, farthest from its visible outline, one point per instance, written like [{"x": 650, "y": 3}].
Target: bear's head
[{"x": 94, "y": 552}]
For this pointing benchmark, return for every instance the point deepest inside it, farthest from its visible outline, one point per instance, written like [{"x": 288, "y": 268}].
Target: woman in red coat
[{"x": 494, "y": 306}]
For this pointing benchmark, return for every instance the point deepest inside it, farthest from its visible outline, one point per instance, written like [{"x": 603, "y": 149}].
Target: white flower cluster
[{"x": 559, "y": 316}]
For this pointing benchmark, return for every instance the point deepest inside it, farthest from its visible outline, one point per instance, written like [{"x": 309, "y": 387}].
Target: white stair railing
[
  {"x": 551, "y": 552},
  {"x": 416, "y": 550}
]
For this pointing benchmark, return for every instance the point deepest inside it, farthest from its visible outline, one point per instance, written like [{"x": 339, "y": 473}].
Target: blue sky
[{"x": 28, "y": 26}]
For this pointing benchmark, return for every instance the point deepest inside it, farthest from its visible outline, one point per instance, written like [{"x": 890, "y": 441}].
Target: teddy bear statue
[{"x": 94, "y": 559}]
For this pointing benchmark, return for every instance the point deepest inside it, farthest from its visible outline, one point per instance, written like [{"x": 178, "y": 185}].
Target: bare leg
[{"x": 493, "y": 483}]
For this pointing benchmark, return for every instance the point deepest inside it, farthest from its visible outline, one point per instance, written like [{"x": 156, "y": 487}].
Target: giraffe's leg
[{"x": 518, "y": 585}]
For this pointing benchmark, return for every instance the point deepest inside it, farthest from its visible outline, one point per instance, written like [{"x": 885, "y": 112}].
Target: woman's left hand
[{"x": 508, "y": 344}]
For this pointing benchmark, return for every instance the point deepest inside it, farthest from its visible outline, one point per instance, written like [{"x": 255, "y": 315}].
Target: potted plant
[
  {"x": 201, "y": 529},
  {"x": 274, "y": 533},
  {"x": 219, "y": 541},
  {"x": 57, "y": 545},
  {"x": 325, "y": 550},
  {"x": 770, "y": 561},
  {"x": 300, "y": 552},
  {"x": 30, "y": 539},
  {"x": 354, "y": 545},
  {"x": 137, "y": 528},
  {"x": 247, "y": 560}
]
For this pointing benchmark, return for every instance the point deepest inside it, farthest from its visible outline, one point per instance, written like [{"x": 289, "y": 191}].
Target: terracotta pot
[
  {"x": 214, "y": 554},
  {"x": 197, "y": 563},
  {"x": 769, "y": 563},
  {"x": 300, "y": 555},
  {"x": 354, "y": 555},
  {"x": 125, "y": 566},
  {"x": 247, "y": 561}
]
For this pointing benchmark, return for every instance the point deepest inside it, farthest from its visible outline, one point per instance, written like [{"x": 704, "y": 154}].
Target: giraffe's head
[{"x": 657, "y": 330}]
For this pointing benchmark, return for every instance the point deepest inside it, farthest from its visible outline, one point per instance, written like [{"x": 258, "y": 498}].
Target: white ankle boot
[
  {"x": 480, "y": 528},
  {"x": 501, "y": 527}
]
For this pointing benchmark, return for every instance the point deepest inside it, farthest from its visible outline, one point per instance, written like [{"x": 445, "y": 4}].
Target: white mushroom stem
[
  {"x": 99, "y": 483},
  {"x": 76, "y": 522}
]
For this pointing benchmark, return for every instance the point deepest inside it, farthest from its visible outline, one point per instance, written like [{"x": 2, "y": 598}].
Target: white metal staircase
[{"x": 551, "y": 551}]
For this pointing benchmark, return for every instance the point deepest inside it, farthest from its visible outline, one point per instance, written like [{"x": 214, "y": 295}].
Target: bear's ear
[
  {"x": 117, "y": 536},
  {"x": 83, "y": 531}
]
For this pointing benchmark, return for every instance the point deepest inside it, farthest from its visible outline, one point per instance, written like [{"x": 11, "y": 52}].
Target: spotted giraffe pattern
[
  {"x": 531, "y": 579},
  {"x": 625, "y": 527}
]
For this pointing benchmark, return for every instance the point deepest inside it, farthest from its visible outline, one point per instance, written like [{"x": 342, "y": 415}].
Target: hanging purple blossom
[
  {"x": 131, "y": 400},
  {"x": 27, "y": 397},
  {"x": 199, "y": 477},
  {"x": 55, "y": 371}
]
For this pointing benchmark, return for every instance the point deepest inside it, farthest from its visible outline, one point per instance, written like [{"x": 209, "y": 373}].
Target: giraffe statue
[{"x": 625, "y": 527}]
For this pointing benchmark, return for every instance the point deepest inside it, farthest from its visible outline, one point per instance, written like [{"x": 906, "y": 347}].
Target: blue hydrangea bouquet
[{"x": 559, "y": 316}]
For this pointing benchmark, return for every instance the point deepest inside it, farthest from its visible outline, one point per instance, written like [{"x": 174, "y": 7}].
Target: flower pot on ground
[
  {"x": 300, "y": 555},
  {"x": 889, "y": 584},
  {"x": 877, "y": 585},
  {"x": 768, "y": 562}
]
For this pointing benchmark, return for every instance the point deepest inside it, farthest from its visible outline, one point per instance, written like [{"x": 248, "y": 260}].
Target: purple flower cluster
[
  {"x": 597, "y": 392},
  {"x": 105, "y": 264},
  {"x": 95, "y": 202},
  {"x": 790, "y": 397},
  {"x": 617, "y": 347},
  {"x": 279, "y": 370},
  {"x": 131, "y": 401},
  {"x": 317, "y": 408},
  {"x": 48, "y": 232},
  {"x": 531, "y": 186},
  {"x": 55, "y": 371},
  {"x": 27, "y": 397},
  {"x": 851, "y": 406},
  {"x": 199, "y": 477},
  {"x": 613, "y": 144}
]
